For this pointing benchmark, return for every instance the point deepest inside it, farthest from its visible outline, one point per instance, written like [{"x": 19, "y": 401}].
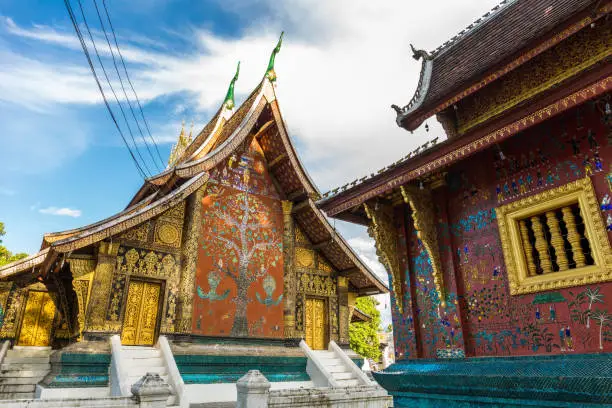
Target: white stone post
[
  {"x": 151, "y": 391},
  {"x": 253, "y": 390}
]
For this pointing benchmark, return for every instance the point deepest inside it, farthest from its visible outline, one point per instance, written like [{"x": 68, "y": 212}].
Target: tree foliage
[
  {"x": 7, "y": 256},
  {"x": 363, "y": 336}
]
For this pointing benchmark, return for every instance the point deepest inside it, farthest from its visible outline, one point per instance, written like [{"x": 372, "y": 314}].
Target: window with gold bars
[{"x": 555, "y": 241}]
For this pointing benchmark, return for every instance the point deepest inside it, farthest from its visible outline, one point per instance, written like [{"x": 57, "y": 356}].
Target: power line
[
  {"x": 123, "y": 87},
  {"x": 130, "y": 81},
  {"x": 93, "y": 71},
  {"x": 111, "y": 88}
]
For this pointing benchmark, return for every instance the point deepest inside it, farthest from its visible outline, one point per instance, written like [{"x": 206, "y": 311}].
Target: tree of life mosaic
[{"x": 239, "y": 280}]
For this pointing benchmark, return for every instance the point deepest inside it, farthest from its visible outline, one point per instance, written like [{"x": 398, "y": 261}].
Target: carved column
[
  {"x": 343, "y": 310},
  {"x": 15, "y": 299},
  {"x": 531, "y": 266},
  {"x": 557, "y": 240},
  {"x": 101, "y": 287},
  {"x": 541, "y": 245},
  {"x": 192, "y": 229},
  {"x": 573, "y": 236},
  {"x": 289, "y": 309}
]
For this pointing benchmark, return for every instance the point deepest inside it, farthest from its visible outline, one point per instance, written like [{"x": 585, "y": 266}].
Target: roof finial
[
  {"x": 229, "y": 98},
  {"x": 270, "y": 73},
  {"x": 179, "y": 147},
  {"x": 418, "y": 54}
]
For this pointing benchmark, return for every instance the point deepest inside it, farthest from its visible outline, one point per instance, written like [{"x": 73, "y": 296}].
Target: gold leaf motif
[
  {"x": 304, "y": 257},
  {"x": 383, "y": 231},
  {"x": 167, "y": 234},
  {"x": 423, "y": 214}
]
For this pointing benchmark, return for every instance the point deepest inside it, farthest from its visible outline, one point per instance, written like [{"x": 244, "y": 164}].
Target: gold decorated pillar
[
  {"x": 101, "y": 287},
  {"x": 289, "y": 270},
  {"x": 343, "y": 310},
  {"x": 541, "y": 245},
  {"x": 573, "y": 237},
  {"x": 189, "y": 259},
  {"x": 556, "y": 239},
  {"x": 531, "y": 266}
]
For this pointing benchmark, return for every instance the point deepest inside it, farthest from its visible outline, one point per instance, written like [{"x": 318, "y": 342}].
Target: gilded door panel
[
  {"x": 148, "y": 314},
  {"x": 37, "y": 320},
  {"x": 141, "y": 311},
  {"x": 315, "y": 323}
]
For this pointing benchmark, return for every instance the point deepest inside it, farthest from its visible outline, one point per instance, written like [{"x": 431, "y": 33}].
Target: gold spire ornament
[
  {"x": 179, "y": 147},
  {"x": 270, "y": 73}
]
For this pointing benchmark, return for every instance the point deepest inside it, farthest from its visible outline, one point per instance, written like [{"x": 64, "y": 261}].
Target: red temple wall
[
  {"x": 482, "y": 317},
  {"x": 239, "y": 278}
]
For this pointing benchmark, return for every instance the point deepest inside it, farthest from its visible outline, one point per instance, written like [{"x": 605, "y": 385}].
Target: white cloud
[
  {"x": 342, "y": 65},
  {"x": 68, "y": 212},
  {"x": 7, "y": 191}
]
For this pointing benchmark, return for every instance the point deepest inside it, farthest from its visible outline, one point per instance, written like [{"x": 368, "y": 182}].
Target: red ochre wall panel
[
  {"x": 239, "y": 278},
  {"x": 482, "y": 317}
]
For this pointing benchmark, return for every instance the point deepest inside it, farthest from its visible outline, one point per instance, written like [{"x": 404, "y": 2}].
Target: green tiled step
[{"x": 201, "y": 369}]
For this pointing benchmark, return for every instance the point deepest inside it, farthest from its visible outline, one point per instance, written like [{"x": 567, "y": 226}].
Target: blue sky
[{"x": 343, "y": 63}]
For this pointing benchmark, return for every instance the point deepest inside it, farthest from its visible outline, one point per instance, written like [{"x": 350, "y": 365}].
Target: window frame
[{"x": 580, "y": 191}]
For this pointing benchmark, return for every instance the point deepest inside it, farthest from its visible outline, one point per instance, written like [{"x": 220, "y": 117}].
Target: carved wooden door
[
  {"x": 141, "y": 311},
  {"x": 37, "y": 320},
  {"x": 315, "y": 323}
]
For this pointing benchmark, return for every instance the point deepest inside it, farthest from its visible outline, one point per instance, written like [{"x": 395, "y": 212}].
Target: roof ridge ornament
[
  {"x": 229, "y": 101},
  {"x": 270, "y": 73},
  {"x": 181, "y": 144},
  {"x": 418, "y": 54}
]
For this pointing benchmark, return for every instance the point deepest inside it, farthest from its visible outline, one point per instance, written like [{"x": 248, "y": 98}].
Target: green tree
[
  {"x": 363, "y": 336},
  {"x": 7, "y": 256}
]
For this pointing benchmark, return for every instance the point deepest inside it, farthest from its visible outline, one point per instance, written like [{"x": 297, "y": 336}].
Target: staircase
[
  {"x": 139, "y": 360},
  {"x": 342, "y": 375},
  {"x": 21, "y": 369}
]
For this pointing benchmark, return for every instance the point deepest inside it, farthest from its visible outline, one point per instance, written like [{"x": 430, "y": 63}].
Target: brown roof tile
[{"x": 483, "y": 45}]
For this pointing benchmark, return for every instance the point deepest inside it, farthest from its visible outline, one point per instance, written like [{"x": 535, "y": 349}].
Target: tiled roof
[
  {"x": 493, "y": 38},
  {"x": 411, "y": 155}
]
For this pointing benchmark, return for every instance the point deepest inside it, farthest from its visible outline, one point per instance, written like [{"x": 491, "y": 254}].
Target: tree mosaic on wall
[{"x": 239, "y": 275}]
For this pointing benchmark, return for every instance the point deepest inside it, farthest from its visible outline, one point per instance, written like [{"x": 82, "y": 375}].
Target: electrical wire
[
  {"x": 123, "y": 87},
  {"x": 112, "y": 89},
  {"x": 130, "y": 81},
  {"x": 93, "y": 71}
]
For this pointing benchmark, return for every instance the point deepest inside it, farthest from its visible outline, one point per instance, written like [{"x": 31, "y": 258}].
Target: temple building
[
  {"x": 496, "y": 235},
  {"x": 222, "y": 263}
]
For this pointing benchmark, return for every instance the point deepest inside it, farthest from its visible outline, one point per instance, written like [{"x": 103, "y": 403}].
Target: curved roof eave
[
  {"x": 419, "y": 95},
  {"x": 128, "y": 219}
]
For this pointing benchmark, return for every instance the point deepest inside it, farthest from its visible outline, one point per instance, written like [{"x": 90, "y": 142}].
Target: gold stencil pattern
[
  {"x": 317, "y": 285},
  {"x": 315, "y": 323},
  {"x": 304, "y": 257},
  {"x": 37, "y": 320},
  {"x": 141, "y": 313}
]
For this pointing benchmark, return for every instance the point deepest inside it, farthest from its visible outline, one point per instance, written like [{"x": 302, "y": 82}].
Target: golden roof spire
[{"x": 181, "y": 144}]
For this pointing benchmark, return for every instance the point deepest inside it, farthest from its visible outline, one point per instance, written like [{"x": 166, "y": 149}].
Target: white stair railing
[
  {"x": 4, "y": 349},
  {"x": 350, "y": 364},
  {"x": 118, "y": 371},
  {"x": 174, "y": 376},
  {"x": 319, "y": 375}
]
